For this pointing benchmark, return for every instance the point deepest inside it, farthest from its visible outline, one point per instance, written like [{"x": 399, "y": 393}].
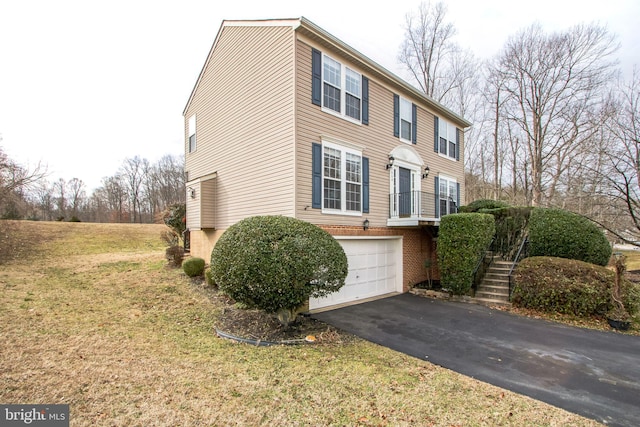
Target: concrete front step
[
  {"x": 490, "y": 295},
  {"x": 491, "y": 302},
  {"x": 500, "y": 290},
  {"x": 501, "y": 278}
]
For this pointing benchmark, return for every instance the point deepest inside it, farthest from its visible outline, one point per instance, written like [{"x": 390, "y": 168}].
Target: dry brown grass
[{"x": 94, "y": 319}]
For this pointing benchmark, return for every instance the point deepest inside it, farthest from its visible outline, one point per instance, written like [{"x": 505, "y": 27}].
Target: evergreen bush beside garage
[{"x": 276, "y": 263}]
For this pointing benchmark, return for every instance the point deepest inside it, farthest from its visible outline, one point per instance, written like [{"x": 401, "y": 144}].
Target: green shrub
[
  {"x": 74, "y": 219},
  {"x": 481, "y": 204},
  {"x": 559, "y": 233},
  {"x": 630, "y": 293},
  {"x": 209, "y": 278},
  {"x": 193, "y": 267},
  {"x": 277, "y": 263},
  {"x": 562, "y": 285},
  {"x": 461, "y": 240}
]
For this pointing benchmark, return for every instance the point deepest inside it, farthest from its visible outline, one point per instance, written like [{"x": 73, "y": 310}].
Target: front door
[{"x": 404, "y": 192}]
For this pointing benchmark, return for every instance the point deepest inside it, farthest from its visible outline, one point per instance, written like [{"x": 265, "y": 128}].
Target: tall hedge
[
  {"x": 275, "y": 263},
  {"x": 461, "y": 240},
  {"x": 563, "y": 234}
]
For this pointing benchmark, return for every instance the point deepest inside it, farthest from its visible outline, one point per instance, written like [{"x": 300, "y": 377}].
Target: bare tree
[
  {"x": 133, "y": 172},
  {"x": 43, "y": 195},
  {"x": 622, "y": 170},
  {"x": 60, "y": 195},
  {"x": 554, "y": 82},
  {"x": 77, "y": 194},
  {"x": 16, "y": 179},
  {"x": 427, "y": 47},
  {"x": 116, "y": 198}
]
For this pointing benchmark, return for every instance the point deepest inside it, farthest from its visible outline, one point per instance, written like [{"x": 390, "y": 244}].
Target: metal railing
[
  {"x": 485, "y": 259},
  {"x": 523, "y": 252},
  {"x": 420, "y": 204}
]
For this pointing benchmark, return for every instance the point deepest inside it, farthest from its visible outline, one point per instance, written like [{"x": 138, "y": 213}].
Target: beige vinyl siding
[
  {"x": 208, "y": 203},
  {"x": 377, "y": 139},
  {"x": 193, "y": 207},
  {"x": 245, "y": 129}
]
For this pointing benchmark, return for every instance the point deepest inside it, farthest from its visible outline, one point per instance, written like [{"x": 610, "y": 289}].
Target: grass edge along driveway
[{"x": 91, "y": 317}]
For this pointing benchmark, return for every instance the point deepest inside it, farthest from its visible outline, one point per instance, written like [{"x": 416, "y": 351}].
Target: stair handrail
[
  {"x": 482, "y": 262},
  {"x": 522, "y": 250}
]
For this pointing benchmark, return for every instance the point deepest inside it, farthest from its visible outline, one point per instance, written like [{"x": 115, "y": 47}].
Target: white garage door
[{"x": 375, "y": 268}]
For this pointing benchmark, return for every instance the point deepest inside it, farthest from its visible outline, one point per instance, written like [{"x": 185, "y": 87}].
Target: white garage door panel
[{"x": 375, "y": 268}]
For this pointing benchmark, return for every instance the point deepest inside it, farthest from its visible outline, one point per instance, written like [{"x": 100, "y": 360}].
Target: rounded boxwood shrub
[
  {"x": 563, "y": 234},
  {"x": 562, "y": 285},
  {"x": 481, "y": 204},
  {"x": 193, "y": 267},
  {"x": 461, "y": 240},
  {"x": 276, "y": 263}
]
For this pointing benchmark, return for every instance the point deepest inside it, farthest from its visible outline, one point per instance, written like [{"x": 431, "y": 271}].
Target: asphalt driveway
[{"x": 592, "y": 373}]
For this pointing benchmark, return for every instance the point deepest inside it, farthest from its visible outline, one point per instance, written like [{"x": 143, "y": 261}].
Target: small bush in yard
[
  {"x": 276, "y": 263},
  {"x": 175, "y": 255},
  {"x": 193, "y": 267},
  {"x": 208, "y": 278},
  {"x": 559, "y": 233},
  {"x": 461, "y": 240},
  {"x": 558, "y": 285}
]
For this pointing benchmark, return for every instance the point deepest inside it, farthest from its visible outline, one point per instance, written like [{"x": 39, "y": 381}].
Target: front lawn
[{"x": 91, "y": 317}]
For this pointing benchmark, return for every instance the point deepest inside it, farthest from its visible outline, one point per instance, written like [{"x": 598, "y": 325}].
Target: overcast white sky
[{"x": 86, "y": 84}]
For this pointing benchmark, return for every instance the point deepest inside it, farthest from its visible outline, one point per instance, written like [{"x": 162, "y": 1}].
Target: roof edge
[
  {"x": 320, "y": 32},
  {"x": 309, "y": 26}
]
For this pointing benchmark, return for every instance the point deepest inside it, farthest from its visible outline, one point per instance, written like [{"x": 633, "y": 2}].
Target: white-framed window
[
  {"x": 447, "y": 138},
  {"x": 406, "y": 122},
  {"x": 448, "y": 195},
  {"x": 341, "y": 179},
  {"x": 192, "y": 133},
  {"x": 341, "y": 89}
]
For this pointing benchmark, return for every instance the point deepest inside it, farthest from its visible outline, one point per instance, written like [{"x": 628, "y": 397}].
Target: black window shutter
[
  {"x": 365, "y": 100},
  {"x": 414, "y": 124},
  {"x": 458, "y": 144},
  {"x": 316, "y": 186},
  {"x": 396, "y": 115},
  {"x": 435, "y": 134},
  {"x": 437, "y": 196},
  {"x": 365, "y": 185},
  {"x": 316, "y": 77},
  {"x": 458, "y": 196}
]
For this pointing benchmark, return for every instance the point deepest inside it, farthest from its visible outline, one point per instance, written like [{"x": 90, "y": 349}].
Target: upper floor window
[
  {"x": 192, "y": 133},
  {"x": 448, "y": 139},
  {"x": 335, "y": 77},
  {"x": 405, "y": 119},
  {"x": 339, "y": 89}
]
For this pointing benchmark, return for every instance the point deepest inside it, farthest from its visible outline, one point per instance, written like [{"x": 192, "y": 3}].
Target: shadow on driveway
[{"x": 592, "y": 373}]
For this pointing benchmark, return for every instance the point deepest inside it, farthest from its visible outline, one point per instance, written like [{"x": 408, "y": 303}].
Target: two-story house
[{"x": 286, "y": 119}]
